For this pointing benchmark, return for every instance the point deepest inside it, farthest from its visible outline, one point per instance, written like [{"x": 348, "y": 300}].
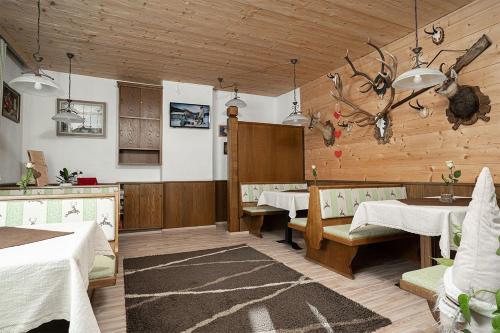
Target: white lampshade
[
  {"x": 68, "y": 117},
  {"x": 296, "y": 119},
  {"x": 419, "y": 78},
  {"x": 32, "y": 84},
  {"x": 236, "y": 102}
]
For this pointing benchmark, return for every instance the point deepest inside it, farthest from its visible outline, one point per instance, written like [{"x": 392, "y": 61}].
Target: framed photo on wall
[
  {"x": 93, "y": 113},
  {"x": 186, "y": 115},
  {"x": 223, "y": 130},
  {"x": 11, "y": 104}
]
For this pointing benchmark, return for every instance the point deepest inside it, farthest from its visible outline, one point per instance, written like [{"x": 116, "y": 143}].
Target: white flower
[
  {"x": 313, "y": 167},
  {"x": 29, "y": 165},
  {"x": 450, "y": 164}
]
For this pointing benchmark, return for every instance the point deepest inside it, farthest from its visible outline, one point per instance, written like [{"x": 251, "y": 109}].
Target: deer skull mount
[
  {"x": 466, "y": 105},
  {"x": 381, "y": 121},
  {"x": 327, "y": 129},
  {"x": 437, "y": 34}
]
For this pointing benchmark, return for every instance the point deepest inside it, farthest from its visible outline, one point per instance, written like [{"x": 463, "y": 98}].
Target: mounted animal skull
[
  {"x": 467, "y": 103},
  {"x": 437, "y": 34},
  {"x": 327, "y": 129}
]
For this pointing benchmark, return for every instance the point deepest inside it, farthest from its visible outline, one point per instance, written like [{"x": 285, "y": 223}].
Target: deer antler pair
[{"x": 360, "y": 116}]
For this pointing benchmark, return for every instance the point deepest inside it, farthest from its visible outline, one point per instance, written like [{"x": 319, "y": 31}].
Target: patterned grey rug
[{"x": 234, "y": 289}]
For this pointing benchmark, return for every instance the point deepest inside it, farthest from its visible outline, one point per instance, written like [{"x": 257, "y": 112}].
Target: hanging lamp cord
[
  {"x": 36, "y": 55},
  {"x": 294, "y": 84},
  {"x": 69, "y": 83}
]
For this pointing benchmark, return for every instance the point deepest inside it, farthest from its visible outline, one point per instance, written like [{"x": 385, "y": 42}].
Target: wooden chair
[{"x": 329, "y": 241}]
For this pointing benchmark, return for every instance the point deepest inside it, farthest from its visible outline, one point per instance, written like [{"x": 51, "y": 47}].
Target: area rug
[{"x": 234, "y": 289}]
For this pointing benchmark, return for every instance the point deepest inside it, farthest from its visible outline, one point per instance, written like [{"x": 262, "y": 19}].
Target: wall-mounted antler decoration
[
  {"x": 359, "y": 116},
  {"x": 326, "y": 129},
  {"x": 437, "y": 34},
  {"x": 422, "y": 110}
]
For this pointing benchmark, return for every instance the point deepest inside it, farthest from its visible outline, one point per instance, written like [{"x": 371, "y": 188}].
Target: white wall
[
  {"x": 11, "y": 134},
  {"x": 96, "y": 157},
  {"x": 187, "y": 152},
  {"x": 284, "y": 105}
]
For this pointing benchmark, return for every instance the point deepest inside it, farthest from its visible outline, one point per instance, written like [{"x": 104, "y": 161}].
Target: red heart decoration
[
  {"x": 337, "y": 115},
  {"x": 337, "y": 134},
  {"x": 338, "y": 153}
]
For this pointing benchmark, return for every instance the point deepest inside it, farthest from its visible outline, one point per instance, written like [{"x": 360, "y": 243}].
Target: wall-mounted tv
[{"x": 186, "y": 115}]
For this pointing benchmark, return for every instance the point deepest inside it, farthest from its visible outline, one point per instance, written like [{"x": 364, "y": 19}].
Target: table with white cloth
[
  {"x": 47, "y": 280},
  {"x": 292, "y": 201},
  {"x": 426, "y": 221}
]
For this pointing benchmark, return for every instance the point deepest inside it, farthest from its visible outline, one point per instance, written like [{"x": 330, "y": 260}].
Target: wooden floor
[{"x": 373, "y": 287}]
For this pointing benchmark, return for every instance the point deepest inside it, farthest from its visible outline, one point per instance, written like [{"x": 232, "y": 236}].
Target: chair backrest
[
  {"x": 250, "y": 192},
  {"x": 41, "y": 208}
]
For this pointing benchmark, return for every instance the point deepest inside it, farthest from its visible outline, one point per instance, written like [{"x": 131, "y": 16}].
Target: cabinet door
[
  {"x": 151, "y": 100},
  {"x": 151, "y": 202},
  {"x": 130, "y": 101},
  {"x": 131, "y": 208}
]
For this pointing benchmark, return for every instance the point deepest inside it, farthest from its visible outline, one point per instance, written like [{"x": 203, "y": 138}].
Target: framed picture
[
  {"x": 222, "y": 130},
  {"x": 94, "y": 115},
  {"x": 225, "y": 148},
  {"x": 189, "y": 115},
  {"x": 11, "y": 104}
]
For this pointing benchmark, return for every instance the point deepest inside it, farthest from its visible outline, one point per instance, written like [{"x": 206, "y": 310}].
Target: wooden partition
[{"x": 259, "y": 152}]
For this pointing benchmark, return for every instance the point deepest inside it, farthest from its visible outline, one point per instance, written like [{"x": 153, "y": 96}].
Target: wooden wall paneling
[
  {"x": 151, "y": 206},
  {"x": 130, "y": 101},
  {"x": 419, "y": 147},
  {"x": 131, "y": 215},
  {"x": 220, "y": 200},
  {"x": 188, "y": 204}
]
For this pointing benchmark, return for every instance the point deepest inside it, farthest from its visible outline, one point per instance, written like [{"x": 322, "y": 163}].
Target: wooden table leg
[{"x": 425, "y": 251}]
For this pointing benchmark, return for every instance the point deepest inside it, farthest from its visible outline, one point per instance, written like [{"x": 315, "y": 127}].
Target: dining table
[
  {"x": 427, "y": 217},
  {"x": 47, "y": 280},
  {"x": 291, "y": 201}
]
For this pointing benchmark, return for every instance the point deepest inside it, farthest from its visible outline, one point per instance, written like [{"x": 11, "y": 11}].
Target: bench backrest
[
  {"x": 102, "y": 208},
  {"x": 251, "y": 192},
  {"x": 343, "y": 202}
]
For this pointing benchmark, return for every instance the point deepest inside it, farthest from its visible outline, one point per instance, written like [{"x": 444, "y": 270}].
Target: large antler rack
[{"x": 360, "y": 116}]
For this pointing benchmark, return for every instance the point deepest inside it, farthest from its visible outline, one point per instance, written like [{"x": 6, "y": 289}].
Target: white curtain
[{"x": 3, "y": 54}]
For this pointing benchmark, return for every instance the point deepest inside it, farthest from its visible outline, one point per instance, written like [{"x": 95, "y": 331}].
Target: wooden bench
[
  {"x": 96, "y": 203},
  {"x": 330, "y": 213},
  {"x": 424, "y": 283},
  {"x": 251, "y": 215}
]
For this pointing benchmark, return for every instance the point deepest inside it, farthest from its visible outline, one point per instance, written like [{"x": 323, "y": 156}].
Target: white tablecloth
[
  {"x": 422, "y": 220},
  {"x": 48, "y": 280},
  {"x": 291, "y": 201}
]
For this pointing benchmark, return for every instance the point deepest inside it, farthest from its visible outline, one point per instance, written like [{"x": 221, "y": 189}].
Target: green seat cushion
[
  {"x": 104, "y": 266},
  {"x": 342, "y": 231},
  {"x": 301, "y": 221},
  {"x": 262, "y": 209},
  {"x": 427, "y": 278}
]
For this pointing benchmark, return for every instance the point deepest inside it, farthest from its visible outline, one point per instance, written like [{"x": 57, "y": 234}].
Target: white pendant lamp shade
[
  {"x": 419, "y": 78},
  {"x": 68, "y": 117},
  {"x": 296, "y": 119},
  {"x": 33, "y": 84},
  {"x": 236, "y": 101}
]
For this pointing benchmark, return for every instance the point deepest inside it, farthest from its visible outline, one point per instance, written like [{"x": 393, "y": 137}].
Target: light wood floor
[{"x": 373, "y": 287}]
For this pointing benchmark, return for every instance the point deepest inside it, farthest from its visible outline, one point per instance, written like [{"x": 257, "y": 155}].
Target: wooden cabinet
[
  {"x": 140, "y": 124},
  {"x": 143, "y": 206}
]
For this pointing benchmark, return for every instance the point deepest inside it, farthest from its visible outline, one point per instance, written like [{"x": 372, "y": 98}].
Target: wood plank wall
[{"x": 419, "y": 147}]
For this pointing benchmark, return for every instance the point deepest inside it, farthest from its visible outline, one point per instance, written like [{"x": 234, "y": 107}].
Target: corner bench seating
[
  {"x": 253, "y": 215},
  {"x": 424, "y": 283},
  {"x": 331, "y": 209},
  {"x": 54, "y": 205}
]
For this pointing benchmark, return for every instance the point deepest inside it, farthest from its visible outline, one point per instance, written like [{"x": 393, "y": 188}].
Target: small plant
[
  {"x": 66, "y": 177},
  {"x": 453, "y": 175},
  {"x": 315, "y": 174},
  {"x": 27, "y": 178}
]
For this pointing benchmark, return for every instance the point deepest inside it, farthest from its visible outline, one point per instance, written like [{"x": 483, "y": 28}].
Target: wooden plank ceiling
[{"x": 245, "y": 41}]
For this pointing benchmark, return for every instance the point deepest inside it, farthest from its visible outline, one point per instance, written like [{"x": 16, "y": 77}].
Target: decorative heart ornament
[
  {"x": 337, "y": 115},
  {"x": 338, "y": 153},
  {"x": 337, "y": 134}
]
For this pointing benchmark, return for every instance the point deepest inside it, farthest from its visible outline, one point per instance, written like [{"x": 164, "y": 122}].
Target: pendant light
[
  {"x": 236, "y": 101},
  {"x": 418, "y": 77},
  {"x": 67, "y": 114},
  {"x": 37, "y": 82},
  {"x": 295, "y": 118}
]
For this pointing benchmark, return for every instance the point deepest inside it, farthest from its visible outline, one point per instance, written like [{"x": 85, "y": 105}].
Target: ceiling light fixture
[
  {"x": 236, "y": 101},
  {"x": 295, "y": 118},
  {"x": 67, "y": 114},
  {"x": 418, "y": 77},
  {"x": 36, "y": 82}
]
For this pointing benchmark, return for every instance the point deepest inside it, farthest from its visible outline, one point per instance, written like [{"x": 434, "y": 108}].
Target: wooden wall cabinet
[
  {"x": 140, "y": 124},
  {"x": 143, "y": 206}
]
